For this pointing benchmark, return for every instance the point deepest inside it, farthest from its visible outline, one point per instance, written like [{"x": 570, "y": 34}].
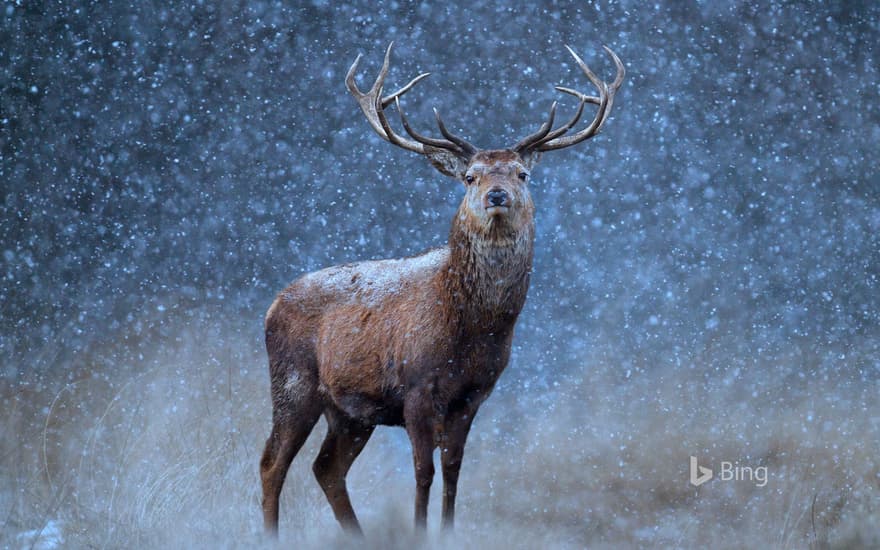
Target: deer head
[{"x": 497, "y": 195}]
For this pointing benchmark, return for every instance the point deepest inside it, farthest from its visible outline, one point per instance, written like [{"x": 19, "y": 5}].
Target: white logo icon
[{"x": 699, "y": 474}]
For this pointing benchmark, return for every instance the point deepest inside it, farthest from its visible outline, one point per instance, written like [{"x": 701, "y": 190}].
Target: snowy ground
[{"x": 168, "y": 457}]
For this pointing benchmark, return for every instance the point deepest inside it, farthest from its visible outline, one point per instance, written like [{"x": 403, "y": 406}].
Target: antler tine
[
  {"x": 538, "y": 136},
  {"x": 621, "y": 70},
  {"x": 388, "y": 100},
  {"x": 377, "y": 85},
  {"x": 583, "y": 97},
  {"x": 613, "y": 87},
  {"x": 466, "y": 147},
  {"x": 349, "y": 77},
  {"x": 443, "y": 144},
  {"x": 570, "y": 124},
  {"x": 372, "y": 103}
]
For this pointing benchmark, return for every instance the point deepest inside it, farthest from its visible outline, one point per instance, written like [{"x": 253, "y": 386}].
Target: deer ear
[{"x": 447, "y": 162}]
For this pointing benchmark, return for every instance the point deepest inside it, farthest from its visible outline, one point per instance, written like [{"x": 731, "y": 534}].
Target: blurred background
[{"x": 705, "y": 280}]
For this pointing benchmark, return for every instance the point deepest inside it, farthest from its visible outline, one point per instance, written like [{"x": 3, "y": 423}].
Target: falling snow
[{"x": 706, "y": 277}]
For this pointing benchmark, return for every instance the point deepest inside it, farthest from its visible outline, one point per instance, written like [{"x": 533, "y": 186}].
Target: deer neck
[{"x": 487, "y": 275}]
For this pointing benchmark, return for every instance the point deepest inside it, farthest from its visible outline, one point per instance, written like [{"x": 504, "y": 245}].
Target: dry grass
[{"x": 167, "y": 457}]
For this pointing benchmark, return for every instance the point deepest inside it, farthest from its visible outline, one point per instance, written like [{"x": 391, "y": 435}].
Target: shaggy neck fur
[{"x": 487, "y": 275}]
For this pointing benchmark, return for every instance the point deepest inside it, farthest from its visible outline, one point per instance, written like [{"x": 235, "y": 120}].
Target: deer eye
[
  {"x": 523, "y": 176},
  {"x": 469, "y": 178}
]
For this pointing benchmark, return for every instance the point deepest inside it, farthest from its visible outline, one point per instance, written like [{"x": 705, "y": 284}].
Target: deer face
[{"x": 497, "y": 196}]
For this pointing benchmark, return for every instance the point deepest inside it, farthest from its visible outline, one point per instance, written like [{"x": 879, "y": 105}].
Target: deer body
[
  {"x": 379, "y": 331},
  {"x": 417, "y": 342}
]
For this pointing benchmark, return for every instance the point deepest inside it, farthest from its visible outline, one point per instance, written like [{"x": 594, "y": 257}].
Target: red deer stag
[{"x": 417, "y": 342}]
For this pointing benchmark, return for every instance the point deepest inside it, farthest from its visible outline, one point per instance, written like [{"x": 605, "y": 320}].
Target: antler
[
  {"x": 373, "y": 105},
  {"x": 546, "y": 140}
]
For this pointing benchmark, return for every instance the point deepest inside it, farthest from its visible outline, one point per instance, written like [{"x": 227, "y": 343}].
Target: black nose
[{"x": 497, "y": 197}]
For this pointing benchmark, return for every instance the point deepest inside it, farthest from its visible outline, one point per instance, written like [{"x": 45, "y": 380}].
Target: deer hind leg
[
  {"x": 345, "y": 440},
  {"x": 293, "y": 417}
]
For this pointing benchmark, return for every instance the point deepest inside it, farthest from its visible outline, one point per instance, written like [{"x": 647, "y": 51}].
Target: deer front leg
[
  {"x": 455, "y": 432},
  {"x": 418, "y": 414}
]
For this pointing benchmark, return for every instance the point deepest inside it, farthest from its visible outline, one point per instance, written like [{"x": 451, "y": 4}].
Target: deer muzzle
[{"x": 497, "y": 201}]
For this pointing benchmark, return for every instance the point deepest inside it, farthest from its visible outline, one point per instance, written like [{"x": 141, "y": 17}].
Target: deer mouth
[{"x": 497, "y": 210}]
